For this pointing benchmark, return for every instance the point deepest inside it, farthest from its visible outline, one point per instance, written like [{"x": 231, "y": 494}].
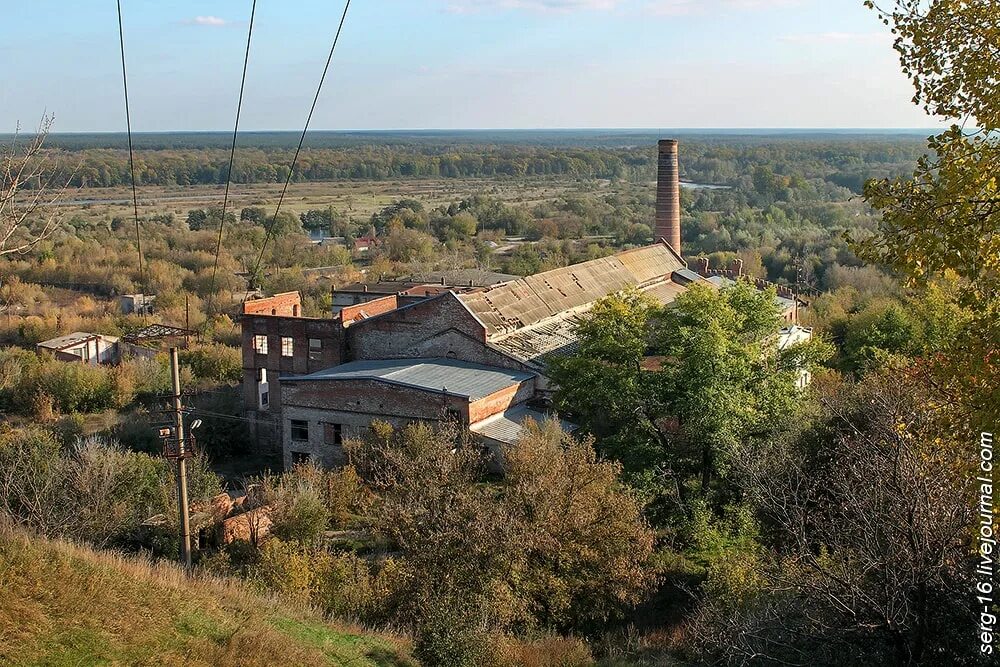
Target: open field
[{"x": 358, "y": 198}]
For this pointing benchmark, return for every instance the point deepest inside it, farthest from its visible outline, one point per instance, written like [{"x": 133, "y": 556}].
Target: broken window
[
  {"x": 260, "y": 344},
  {"x": 333, "y": 434},
  {"x": 287, "y": 346},
  {"x": 263, "y": 396},
  {"x": 300, "y": 430},
  {"x": 315, "y": 349},
  {"x": 300, "y": 458}
]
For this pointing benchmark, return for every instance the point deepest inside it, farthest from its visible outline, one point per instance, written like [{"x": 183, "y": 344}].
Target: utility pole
[{"x": 181, "y": 456}]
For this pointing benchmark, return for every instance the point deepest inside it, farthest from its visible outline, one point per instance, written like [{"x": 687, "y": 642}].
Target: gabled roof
[
  {"x": 522, "y": 303},
  {"x": 447, "y": 376}
]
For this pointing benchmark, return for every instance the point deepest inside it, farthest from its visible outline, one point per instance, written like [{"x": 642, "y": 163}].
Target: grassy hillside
[{"x": 62, "y": 604}]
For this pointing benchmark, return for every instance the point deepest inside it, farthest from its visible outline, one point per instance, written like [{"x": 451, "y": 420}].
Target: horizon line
[{"x": 521, "y": 129}]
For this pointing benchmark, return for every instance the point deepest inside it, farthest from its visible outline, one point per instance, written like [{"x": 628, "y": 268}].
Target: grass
[
  {"x": 63, "y": 604},
  {"x": 360, "y": 198}
]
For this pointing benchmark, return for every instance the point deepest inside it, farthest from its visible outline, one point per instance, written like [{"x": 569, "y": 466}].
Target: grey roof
[
  {"x": 532, "y": 345},
  {"x": 522, "y": 303},
  {"x": 449, "y": 376},
  {"x": 685, "y": 276},
  {"x": 556, "y": 336},
  {"x": 75, "y": 338},
  {"x": 508, "y": 426},
  {"x": 462, "y": 277}
]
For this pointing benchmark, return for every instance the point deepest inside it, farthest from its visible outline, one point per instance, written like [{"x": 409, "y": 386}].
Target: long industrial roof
[
  {"x": 521, "y": 303},
  {"x": 448, "y": 376}
]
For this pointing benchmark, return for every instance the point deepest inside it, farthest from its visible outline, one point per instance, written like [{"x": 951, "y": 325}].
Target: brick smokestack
[{"x": 668, "y": 195}]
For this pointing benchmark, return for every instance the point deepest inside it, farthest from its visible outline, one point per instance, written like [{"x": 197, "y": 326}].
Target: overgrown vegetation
[{"x": 65, "y": 604}]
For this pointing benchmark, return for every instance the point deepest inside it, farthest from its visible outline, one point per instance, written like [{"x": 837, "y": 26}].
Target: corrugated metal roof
[
  {"x": 687, "y": 276},
  {"x": 556, "y": 336},
  {"x": 664, "y": 292},
  {"x": 508, "y": 426},
  {"x": 531, "y": 345},
  {"x": 462, "y": 277},
  {"x": 449, "y": 376},
  {"x": 522, "y": 303}
]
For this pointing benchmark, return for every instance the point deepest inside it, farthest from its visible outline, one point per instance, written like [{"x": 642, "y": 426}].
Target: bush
[
  {"x": 451, "y": 634},
  {"x": 214, "y": 363},
  {"x": 94, "y": 491}
]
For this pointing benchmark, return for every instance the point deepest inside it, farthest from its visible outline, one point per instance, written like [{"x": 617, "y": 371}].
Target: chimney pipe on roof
[{"x": 668, "y": 195}]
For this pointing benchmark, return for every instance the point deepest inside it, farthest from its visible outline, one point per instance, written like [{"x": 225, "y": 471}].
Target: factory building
[{"x": 471, "y": 353}]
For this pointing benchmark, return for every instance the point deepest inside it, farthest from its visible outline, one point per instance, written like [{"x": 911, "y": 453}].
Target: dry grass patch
[{"x": 62, "y": 604}]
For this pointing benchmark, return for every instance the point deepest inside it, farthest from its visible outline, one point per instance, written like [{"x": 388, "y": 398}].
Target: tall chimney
[{"x": 668, "y": 195}]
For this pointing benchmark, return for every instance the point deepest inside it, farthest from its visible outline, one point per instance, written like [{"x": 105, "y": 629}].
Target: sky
[{"x": 448, "y": 64}]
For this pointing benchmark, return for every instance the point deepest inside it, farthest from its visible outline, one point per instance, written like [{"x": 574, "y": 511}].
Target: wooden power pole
[{"x": 181, "y": 456}]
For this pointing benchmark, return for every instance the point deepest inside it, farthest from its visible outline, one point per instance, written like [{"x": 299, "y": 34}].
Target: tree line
[{"x": 846, "y": 163}]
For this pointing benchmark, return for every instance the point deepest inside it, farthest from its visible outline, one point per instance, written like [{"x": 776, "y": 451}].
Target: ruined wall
[
  {"x": 266, "y": 427},
  {"x": 287, "y": 304},
  {"x": 362, "y": 311},
  {"x": 416, "y": 330}
]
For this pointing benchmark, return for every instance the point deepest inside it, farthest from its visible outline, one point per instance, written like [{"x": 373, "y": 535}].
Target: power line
[
  {"x": 302, "y": 138},
  {"x": 190, "y": 409},
  {"x": 232, "y": 155},
  {"x": 131, "y": 159}
]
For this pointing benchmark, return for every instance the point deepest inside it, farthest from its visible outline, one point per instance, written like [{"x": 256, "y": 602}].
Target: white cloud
[
  {"x": 835, "y": 37},
  {"x": 213, "y": 21}
]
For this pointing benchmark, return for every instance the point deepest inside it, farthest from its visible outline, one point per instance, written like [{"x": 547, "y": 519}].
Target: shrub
[
  {"x": 94, "y": 491},
  {"x": 299, "y": 512},
  {"x": 451, "y": 634},
  {"x": 215, "y": 363}
]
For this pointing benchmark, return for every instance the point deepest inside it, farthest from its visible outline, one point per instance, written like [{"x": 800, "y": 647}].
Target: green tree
[
  {"x": 558, "y": 542},
  {"x": 945, "y": 219},
  {"x": 671, "y": 392}
]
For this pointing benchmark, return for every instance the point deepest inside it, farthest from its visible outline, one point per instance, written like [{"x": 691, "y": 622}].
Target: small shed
[{"x": 89, "y": 348}]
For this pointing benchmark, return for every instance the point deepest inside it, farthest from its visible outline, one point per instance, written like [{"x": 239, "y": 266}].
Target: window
[
  {"x": 300, "y": 430},
  {"x": 333, "y": 434},
  {"x": 260, "y": 344},
  {"x": 263, "y": 396},
  {"x": 287, "y": 346},
  {"x": 315, "y": 349},
  {"x": 300, "y": 458}
]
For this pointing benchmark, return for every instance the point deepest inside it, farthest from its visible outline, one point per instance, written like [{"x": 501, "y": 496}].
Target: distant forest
[{"x": 846, "y": 160}]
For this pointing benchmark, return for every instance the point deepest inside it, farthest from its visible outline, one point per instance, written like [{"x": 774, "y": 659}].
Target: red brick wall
[
  {"x": 348, "y": 314},
  {"x": 500, "y": 401},
  {"x": 300, "y": 330},
  {"x": 288, "y": 304}
]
